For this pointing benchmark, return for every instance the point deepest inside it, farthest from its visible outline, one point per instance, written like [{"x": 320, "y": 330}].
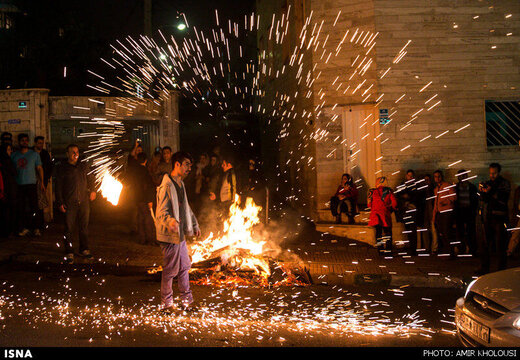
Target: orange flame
[
  {"x": 110, "y": 188},
  {"x": 236, "y": 247}
]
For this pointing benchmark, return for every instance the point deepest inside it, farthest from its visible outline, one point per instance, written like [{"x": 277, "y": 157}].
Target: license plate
[{"x": 474, "y": 328}]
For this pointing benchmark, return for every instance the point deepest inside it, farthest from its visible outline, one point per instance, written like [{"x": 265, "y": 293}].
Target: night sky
[{"x": 50, "y": 35}]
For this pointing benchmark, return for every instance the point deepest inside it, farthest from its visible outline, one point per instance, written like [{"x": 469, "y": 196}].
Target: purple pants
[{"x": 176, "y": 262}]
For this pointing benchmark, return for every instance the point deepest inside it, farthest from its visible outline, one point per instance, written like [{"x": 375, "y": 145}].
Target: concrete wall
[
  {"x": 459, "y": 53},
  {"x": 31, "y": 119},
  {"x": 289, "y": 153},
  {"x": 340, "y": 83},
  {"x": 451, "y": 46}
]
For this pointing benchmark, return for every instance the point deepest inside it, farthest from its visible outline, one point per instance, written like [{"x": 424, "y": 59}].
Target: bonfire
[{"x": 239, "y": 256}]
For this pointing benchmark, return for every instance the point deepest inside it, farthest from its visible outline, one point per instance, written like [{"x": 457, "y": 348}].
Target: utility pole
[{"x": 148, "y": 17}]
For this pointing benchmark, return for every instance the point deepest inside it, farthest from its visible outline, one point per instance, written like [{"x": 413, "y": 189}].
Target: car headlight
[
  {"x": 516, "y": 323},
  {"x": 469, "y": 288}
]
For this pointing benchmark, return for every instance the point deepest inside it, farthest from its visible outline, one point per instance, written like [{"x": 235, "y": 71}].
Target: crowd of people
[
  {"x": 25, "y": 173},
  {"x": 179, "y": 197},
  {"x": 211, "y": 185},
  {"x": 449, "y": 218}
]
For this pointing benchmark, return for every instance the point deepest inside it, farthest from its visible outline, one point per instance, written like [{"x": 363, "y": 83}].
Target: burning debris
[{"x": 241, "y": 257}]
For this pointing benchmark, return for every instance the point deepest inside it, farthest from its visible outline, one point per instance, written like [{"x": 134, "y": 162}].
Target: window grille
[{"x": 502, "y": 123}]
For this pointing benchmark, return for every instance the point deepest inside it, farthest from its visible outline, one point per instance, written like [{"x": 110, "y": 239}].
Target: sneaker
[
  {"x": 87, "y": 254},
  {"x": 37, "y": 232},
  {"x": 69, "y": 258},
  {"x": 24, "y": 232}
]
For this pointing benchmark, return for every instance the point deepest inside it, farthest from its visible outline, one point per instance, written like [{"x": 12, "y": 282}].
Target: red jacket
[
  {"x": 351, "y": 193},
  {"x": 381, "y": 202}
]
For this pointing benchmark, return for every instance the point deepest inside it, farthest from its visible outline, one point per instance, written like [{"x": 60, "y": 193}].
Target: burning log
[{"x": 239, "y": 258}]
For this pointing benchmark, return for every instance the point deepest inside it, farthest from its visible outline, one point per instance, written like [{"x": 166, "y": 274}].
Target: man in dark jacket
[
  {"x": 495, "y": 196},
  {"x": 74, "y": 190},
  {"x": 144, "y": 198},
  {"x": 466, "y": 207}
]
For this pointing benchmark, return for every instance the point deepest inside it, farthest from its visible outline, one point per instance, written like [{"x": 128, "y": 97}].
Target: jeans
[
  {"x": 76, "y": 221},
  {"x": 176, "y": 263},
  {"x": 347, "y": 206}
]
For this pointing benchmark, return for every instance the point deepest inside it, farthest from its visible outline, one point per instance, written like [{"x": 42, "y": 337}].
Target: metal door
[{"x": 362, "y": 150}]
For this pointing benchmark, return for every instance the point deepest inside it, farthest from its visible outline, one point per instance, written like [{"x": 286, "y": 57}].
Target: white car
[{"x": 489, "y": 313}]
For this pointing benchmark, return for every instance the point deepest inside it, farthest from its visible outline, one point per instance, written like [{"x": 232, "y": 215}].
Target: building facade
[
  {"x": 396, "y": 85},
  {"x": 64, "y": 120}
]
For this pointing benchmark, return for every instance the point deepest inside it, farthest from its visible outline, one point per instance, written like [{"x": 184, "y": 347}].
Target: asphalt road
[{"x": 87, "y": 308}]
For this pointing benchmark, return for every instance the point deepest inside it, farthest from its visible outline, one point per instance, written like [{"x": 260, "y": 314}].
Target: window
[
  {"x": 502, "y": 123},
  {"x": 6, "y": 21}
]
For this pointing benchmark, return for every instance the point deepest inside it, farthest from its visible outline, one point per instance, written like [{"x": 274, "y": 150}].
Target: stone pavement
[{"x": 329, "y": 259}]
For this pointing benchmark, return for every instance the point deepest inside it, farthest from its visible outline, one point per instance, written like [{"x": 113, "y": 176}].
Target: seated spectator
[
  {"x": 345, "y": 200},
  {"x": 382, "y": 202}
]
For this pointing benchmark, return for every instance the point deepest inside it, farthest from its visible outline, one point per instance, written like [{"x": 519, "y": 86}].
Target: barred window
[
  {"x": 6, "y": 21},
  {"x": 502, "y": 123}
]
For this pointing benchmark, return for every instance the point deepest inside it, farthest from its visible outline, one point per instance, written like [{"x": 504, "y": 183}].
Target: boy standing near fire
[{"x": 174, "y": 220}]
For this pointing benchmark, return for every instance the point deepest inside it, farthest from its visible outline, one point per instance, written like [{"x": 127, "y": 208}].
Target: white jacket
[{"x": 168, "y": 208}]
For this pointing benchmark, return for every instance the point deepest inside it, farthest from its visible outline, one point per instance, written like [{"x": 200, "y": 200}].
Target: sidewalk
[{"x": 329, "y": 259}]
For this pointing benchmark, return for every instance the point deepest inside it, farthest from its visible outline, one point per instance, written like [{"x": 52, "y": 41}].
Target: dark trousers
[
  {"x": 8, "y": 220},
  {"x": 27, "y": 206},
  {"x": 496, "y": 238},
  {"x": 76, "y": 222},
  {"x": 145, "y": 225},
  {"x": 347, "y": 206},
  {"x": 384, "y": 237},
  {"x": 444, "y": 227},
  {"x": 411, "y": 234},
  {"x": 466, "y": 229}
]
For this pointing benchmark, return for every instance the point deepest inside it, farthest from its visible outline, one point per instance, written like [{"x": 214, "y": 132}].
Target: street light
[{"x": 181, "y": 26}]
